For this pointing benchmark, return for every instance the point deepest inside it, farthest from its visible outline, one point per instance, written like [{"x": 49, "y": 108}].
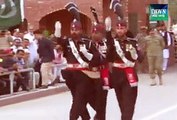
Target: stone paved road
[{"x": 153, "y": 103}]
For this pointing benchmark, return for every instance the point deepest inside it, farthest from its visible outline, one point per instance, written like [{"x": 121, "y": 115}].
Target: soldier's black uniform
[
  {"x": 125, "y": 93},
  {"x": 103, "y": 45},
  {"x": 83, "y": 88},
  {"x": 82, "y": 74}
]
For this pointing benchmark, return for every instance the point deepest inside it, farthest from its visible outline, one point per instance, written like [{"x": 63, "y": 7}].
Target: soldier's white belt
[
  {"x": 92, "y": 73},
  {"x": 79, "y": 66},
  {"x": 75, "y": 66},
  {"x": 121, "y": 65}
]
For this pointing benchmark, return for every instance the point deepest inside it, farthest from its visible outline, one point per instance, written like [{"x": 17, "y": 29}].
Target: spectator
[
  {"x": 7, "y": 64},
  {"x": 4, "y": 43},
  {"x": 32, "y": 46},
  {"x": 16, "y": 44},
  {"x": 46, "y": 55},
  {"x": 59, "y": 63},
  {"x": 23, "y": 78},
  {"x": 9, "y": 37},
  {"x": 168, "y": 42},
  {"x": 17, "y": 35}
]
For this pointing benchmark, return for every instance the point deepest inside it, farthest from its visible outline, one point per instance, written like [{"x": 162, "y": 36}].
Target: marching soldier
[
  {"x": 123, "y": 53},
  {"x": 100, "y": 42},
  {"x": 98, "y": 37},
  {"x": 82, "y": 74}
]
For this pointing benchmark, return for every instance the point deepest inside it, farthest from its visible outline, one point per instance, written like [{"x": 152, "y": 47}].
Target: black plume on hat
[
  {"x": 116, "y": 6},
  {"x": 93, "y": 10},
  {"x": 73, "y": 9}
]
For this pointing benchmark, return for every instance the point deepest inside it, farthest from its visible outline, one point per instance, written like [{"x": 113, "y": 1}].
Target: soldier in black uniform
[
  {"x": 99, "y": 40},
  {"x": 123, "y": 55},
  {"x": 82, "y": 74}
]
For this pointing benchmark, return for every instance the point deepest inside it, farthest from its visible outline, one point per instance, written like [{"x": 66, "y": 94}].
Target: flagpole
[{"x": 22, "y": 10}]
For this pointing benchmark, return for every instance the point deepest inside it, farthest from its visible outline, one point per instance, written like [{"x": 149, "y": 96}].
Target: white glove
[
  {"x": 88, "y": 55},
  {"x": 57, "y": 32},
  {"x": 82, "y": 48},
  {"x": 133, "y": 53},
  {"x": 108, "y": 23}
]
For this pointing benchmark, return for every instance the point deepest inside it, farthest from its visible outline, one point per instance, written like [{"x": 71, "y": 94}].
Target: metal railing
[{"x": 12, "y": 76}]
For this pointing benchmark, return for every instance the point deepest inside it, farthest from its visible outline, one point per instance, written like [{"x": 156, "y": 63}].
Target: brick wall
[
  {"x": 139, "y": 8},
  {"x": 36, "y": 9}
]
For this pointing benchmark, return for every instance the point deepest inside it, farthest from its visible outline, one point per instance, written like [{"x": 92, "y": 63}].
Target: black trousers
[
  {"x": 85, "y": 90},
  {"x": 37, "y": 68},
  {"x": 22, "y": 81},
  {"x": 126, "y": 95}
]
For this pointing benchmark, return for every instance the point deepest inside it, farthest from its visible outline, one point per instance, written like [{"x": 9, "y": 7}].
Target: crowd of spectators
[{"x": 20, "y": 51}]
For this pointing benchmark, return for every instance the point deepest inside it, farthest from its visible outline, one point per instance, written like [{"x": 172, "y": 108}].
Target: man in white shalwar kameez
[
  {"x": 168, "y": 42},
  {"x": 32, "y": 46}
]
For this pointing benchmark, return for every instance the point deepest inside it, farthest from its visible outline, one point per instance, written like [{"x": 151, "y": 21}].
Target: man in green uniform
[{"x": 154, "y": 45}]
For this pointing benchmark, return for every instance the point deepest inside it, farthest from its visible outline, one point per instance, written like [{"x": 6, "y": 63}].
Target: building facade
[{"x": 36, "y": 12}]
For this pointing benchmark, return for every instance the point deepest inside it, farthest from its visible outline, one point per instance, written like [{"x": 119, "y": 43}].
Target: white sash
[
  {"x": 76, "y": 54},
  {"x": 121, "y": 54},
  {"x": 102, "y": 49}
]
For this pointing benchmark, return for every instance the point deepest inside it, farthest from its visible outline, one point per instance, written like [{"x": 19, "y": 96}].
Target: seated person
[
  {"x": 22, "y": 77},
  {"x": 7, "y": 63}
]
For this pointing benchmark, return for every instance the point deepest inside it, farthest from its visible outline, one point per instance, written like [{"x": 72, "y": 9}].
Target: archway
[{"x": 65, "y": 17}]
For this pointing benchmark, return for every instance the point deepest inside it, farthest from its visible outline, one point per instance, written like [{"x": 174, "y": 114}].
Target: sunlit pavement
[{"x": 153, "y": 103}]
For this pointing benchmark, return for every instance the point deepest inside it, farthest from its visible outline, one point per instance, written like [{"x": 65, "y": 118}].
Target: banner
[
  {"x": 10, "y": 13},
  {"x": 158, "y": 12}
]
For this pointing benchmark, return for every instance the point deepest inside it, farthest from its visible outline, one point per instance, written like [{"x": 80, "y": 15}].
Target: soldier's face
[
  {"x": 97, "y": 36},
  {"x": 121, "y": 31},
  {"x": 75, "y": 33}
]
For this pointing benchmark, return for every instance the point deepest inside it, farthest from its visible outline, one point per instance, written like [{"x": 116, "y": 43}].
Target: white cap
[
  {"x": 26, "y": 51},
  {"x": 16, "y": 38},
  {"x": 29, "y": 37},
  {"x": 20, "y": 48}
]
